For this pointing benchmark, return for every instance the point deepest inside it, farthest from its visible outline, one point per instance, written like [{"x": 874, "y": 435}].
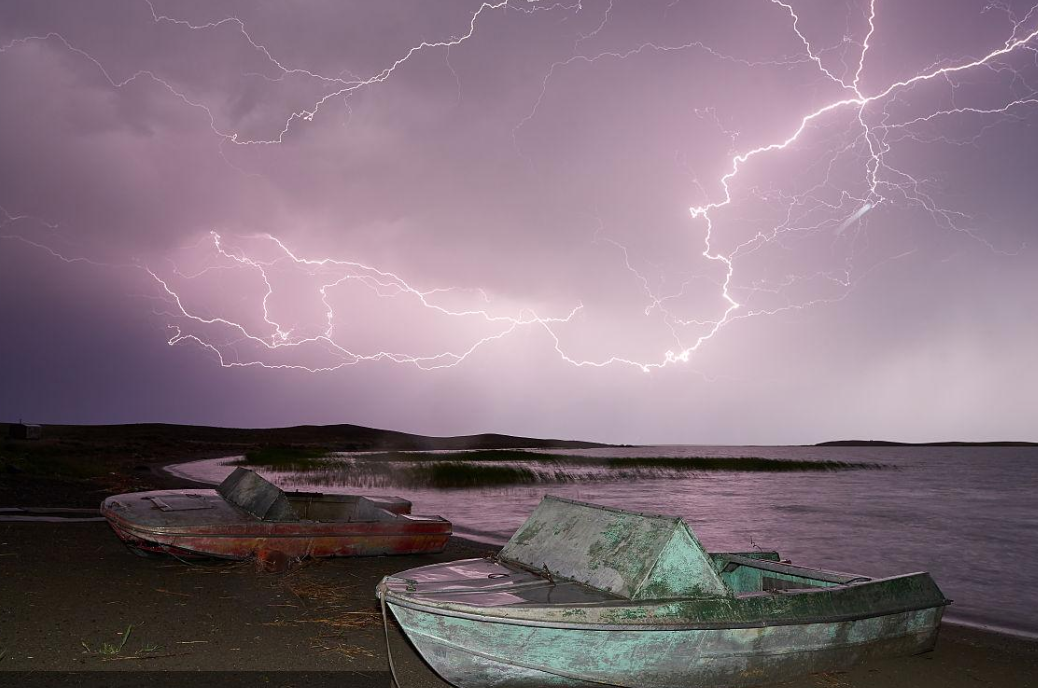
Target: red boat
[{"x": 246, "y": 517}]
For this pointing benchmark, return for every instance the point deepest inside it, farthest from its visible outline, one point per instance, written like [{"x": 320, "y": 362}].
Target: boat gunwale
[
  {"x": 331, "y": 528},
  {"x": 394, "y": 598},
  {"x": 395, "y": 532},
  {"x": 824, "y": 575}
]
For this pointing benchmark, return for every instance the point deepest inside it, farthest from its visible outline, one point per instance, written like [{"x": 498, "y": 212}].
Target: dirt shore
[
  {"x": 73, "y": 599},
  {"x": 71, "y": 592}
]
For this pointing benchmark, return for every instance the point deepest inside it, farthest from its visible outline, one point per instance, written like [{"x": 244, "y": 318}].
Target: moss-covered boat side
[{"x": 583, "y": 596}]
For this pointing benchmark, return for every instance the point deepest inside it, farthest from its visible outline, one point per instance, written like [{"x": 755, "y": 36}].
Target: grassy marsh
[
  {"x": 750, "y": 464},
  {"x": 502, "y": 468},
  {"x": 450, "y": 474},
  {"x": 285, "y": 458}
]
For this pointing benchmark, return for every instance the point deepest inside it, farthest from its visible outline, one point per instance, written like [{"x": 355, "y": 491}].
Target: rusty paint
[{"x": 202, "y": 523}]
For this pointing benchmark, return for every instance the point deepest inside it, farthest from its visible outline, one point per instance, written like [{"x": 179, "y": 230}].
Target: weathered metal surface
[
  {"x": 193, "y": 523},
  {"x": 639, "y": 556},
  {"x": 248, "y": 491},
  {"x": 514, "y": 656},
  {"x": 504, "y": 623},
  {"x": 746, "y": 574}
]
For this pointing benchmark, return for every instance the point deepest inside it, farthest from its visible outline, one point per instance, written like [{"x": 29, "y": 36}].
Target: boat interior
[
  {"x": 492, "y": 582},
  {"x": 253, "y": 494},
  {"x": 569, "y": 551},
  {"x": 314, "y": 506},
  {"x": 763, "y": 572}
]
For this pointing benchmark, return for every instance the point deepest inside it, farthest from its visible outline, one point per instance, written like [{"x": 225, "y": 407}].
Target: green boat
[{"x": 587, "y": 596}]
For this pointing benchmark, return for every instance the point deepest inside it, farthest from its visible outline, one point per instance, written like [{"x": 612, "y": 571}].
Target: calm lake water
[{"x": 968, "y": 515}]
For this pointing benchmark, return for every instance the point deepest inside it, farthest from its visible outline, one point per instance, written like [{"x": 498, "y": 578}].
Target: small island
[{"x": 888, "y": 443}]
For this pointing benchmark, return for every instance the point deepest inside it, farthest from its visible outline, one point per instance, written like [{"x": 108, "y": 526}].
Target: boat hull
[
  {"x": 212, "y": 528},
  {"x": 480, "y": 653},
  {"x": 584, "y": 595},
  {"x": 335, "y": 542}
]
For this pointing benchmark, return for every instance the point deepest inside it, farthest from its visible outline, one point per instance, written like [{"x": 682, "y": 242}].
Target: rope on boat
[{"x": 382, "y": 589}]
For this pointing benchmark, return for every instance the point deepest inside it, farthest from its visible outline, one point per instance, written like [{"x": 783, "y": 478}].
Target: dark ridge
[
  {"x": 888, "y": 443},
  {"x": 77, "y": 465},
  {"x": 328, "y": 437}
]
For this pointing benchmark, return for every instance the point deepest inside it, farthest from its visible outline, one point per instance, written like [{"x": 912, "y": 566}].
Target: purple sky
[{"x": 648, "y": 222}]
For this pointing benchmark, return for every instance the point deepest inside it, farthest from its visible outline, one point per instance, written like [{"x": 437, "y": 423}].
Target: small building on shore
[{"x": 24, "y": 431}]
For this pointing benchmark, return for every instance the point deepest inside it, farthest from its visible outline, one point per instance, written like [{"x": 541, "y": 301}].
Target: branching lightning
[
  {"x": 334, "y": 273},
  {"x": 878, "y": 127}
]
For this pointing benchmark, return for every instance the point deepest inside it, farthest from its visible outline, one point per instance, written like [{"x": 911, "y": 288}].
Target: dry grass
[{"x": 330, "y": 605}]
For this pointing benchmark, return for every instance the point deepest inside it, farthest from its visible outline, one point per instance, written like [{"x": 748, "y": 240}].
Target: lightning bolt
[
  {"x": 333, "y": 273},
  {"x": 878, "y": 126}
]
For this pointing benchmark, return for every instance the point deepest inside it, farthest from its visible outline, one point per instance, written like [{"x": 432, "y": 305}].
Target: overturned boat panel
[
  {"x": 632, "y": 555},
  {"x": 246, "y": 490}
]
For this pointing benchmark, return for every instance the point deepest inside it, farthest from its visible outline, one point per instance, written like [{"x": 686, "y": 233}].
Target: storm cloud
[{"x": 716, "y": 222}]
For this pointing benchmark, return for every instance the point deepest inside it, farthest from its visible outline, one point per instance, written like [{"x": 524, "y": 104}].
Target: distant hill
[
  {"x": 331, "y": 437},
  {"x": 74, "y": 465},
  {"x": 887, "y": 443}
]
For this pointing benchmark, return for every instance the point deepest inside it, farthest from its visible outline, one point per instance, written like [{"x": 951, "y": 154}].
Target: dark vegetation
[
  {"x": 78, "y": 465},
  {"x": 285, "y": 458},
  {"x": 452, "y": 474},
  {"x": 499, "y": 468},
  {"x": 692, "y": 463},
  {"x": 479, "y": 455},
  {"x": 753, "y": 464},
  {"x": 47, "y": 460}
]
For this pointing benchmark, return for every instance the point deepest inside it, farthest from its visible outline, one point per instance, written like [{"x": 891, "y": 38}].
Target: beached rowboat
[
  {"x": 247, "y": 516},
  {"x": 588, "y": 596}
]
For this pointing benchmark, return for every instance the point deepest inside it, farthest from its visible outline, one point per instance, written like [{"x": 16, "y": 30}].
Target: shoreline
[
  {"x": 166, "y": 474},
  {"x": 83, "y": 590}
]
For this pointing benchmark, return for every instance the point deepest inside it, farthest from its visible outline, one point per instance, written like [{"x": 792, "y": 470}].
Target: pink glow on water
[{"x": 943, "y": 510}]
